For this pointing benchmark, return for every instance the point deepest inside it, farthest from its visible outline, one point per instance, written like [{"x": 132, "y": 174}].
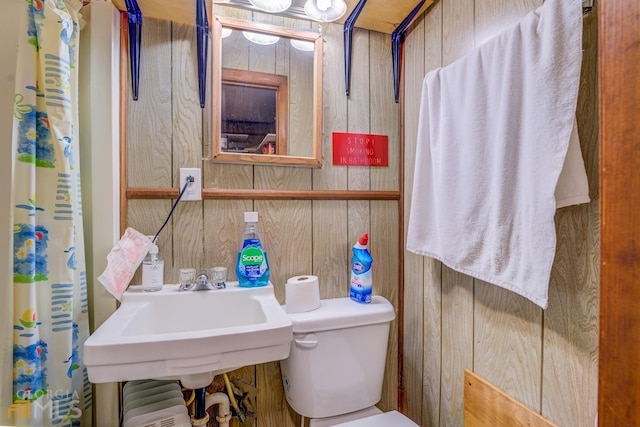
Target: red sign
[{"x": 359, "y": 149}]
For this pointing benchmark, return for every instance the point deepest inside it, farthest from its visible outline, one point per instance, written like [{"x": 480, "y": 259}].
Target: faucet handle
[
  {"x": 187, "y": 278},
  {"x": 218, "y": 277}
]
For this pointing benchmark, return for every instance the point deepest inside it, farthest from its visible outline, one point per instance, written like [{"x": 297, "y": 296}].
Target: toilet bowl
[{"x": 335, "y": 368}]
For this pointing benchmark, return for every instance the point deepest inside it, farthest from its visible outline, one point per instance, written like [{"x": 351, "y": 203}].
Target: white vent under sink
[{"x": 168, "y": 422}]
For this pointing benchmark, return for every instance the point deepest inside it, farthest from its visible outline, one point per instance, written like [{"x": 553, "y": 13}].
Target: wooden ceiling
[{"x": 377, "y": 15}]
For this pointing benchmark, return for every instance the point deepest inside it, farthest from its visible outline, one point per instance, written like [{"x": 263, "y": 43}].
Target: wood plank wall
[
  {"x": 304, "y": 236},
  {"x": 545, "y": 359}
]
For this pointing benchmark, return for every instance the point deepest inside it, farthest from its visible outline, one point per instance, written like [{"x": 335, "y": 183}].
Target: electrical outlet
[{"x": 194, "y": 190}]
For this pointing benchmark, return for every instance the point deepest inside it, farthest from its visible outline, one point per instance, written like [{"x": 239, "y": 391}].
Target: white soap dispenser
[{"x": 152, "y": 270}]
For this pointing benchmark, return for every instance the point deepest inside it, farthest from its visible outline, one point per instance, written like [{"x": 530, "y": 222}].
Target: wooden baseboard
[{"x": 486, "y": 405}]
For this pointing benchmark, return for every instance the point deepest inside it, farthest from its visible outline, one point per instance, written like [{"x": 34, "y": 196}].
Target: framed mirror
[{"x": 266, "y": 94}]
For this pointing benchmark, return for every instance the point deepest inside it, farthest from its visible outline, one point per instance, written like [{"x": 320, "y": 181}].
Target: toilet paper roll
[{"x": 302, "y": 293}]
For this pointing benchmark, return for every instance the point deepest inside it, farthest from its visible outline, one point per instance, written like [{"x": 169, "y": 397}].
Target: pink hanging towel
[{"x": 123, "y": 260}]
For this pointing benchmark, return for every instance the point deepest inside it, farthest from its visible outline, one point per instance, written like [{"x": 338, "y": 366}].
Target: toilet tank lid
[{"x": 339, "y": 313}]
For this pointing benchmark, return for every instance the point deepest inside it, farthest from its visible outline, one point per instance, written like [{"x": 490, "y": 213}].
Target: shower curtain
[{"x": 50, "y": 305}]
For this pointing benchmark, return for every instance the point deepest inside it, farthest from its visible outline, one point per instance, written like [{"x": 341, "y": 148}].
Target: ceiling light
[
  {"x": 226, "y": 32},
  {"x": 259, "y": 38},
  {"x": 303, "y": 45},
  {"x": 271, "y": 6},
  {"x": 325, "y": 10}
]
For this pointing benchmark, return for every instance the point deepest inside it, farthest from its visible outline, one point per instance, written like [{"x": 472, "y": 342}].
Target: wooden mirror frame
[{"x": 217, "y": 154}]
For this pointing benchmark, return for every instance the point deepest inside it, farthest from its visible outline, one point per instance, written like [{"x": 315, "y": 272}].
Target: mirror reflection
[
  {"x": 253, "y": 116},
  {"x": 267, "y": 95}
]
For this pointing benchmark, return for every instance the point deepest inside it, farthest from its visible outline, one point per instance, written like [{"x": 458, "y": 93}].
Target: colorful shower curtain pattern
[{"x": 50, "y": 385}]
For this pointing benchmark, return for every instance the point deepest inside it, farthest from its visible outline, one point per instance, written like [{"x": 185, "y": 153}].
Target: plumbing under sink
[{"x": 191, "y": 336}]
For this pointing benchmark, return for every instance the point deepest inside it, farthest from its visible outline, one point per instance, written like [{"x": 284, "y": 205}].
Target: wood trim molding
[
  {"x": 124, "y": 96},
  {"x": 251, "y": 194},
  {"x": 401, "y": 241},
  {"x": 486, "y": 405},
  {"x": 619, "y": 94}
]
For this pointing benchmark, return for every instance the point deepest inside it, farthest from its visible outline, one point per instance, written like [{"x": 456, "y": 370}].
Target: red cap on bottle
[{"x": 364, "y": 239}]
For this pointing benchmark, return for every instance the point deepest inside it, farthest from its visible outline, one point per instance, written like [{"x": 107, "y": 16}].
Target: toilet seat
[{"x": 386, "y": 419}]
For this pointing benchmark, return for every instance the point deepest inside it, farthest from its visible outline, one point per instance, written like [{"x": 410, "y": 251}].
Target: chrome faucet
[{"x": 202, "y": 283}]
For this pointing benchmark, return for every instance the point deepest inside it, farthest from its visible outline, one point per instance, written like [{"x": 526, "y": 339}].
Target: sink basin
[{"x": 191, "y": 336}]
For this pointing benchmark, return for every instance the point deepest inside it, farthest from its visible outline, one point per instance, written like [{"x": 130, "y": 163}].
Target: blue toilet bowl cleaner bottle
[
  {"x": 252, "y": 265},
  {"x": 361, "y": 285}
]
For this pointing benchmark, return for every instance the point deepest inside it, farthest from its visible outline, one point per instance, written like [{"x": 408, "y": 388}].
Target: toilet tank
[{"x": 337, "y": 358}]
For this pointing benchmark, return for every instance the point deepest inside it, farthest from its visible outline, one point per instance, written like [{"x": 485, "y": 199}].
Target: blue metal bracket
[
  {"x": 202, "y": 29},
  {"x": 397, "y": 37},
  {"x": 134, "y": 19},
  {"x": 349, "y": 23}
]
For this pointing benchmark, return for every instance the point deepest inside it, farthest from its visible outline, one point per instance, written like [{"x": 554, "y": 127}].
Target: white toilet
[{"x": 335, "y": 369}]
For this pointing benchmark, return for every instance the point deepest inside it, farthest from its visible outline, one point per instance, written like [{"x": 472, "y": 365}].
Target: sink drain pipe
[
  {"x": 200, "y": 410},
  {"x": 224, "y": 412},
  {"x": 202, "y": 402}
]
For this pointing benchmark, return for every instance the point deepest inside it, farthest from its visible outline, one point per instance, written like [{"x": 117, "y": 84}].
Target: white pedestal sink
[{"x": 191, "y": 336}]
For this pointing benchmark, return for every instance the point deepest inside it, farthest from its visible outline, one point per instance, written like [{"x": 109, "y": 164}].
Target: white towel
[
  {"x": 492, "y": 139},
  {"x": 573, "y": 187}
]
